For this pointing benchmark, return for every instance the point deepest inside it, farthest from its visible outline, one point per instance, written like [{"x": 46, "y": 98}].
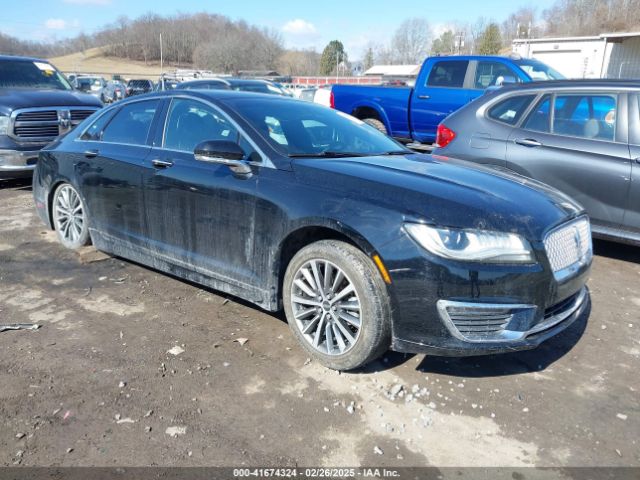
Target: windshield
[
  {"x": 25, "y": 74},
  {"x": 303, "y": 129},
  {"x": 539, "y": 71}
]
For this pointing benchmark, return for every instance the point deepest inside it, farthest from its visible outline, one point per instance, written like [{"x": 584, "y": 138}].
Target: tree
[
  {"x": 490, "y": 42},
  {"x": 410, "y": 42},
  {"x": 299, "y": 62},
  {"x": 368, "y": 60},
  {"x": 444, "y": 44},
  {"x": 332, "y": 55}
]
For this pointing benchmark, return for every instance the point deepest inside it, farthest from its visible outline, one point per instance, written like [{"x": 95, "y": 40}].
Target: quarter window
[
  {"x": 131, "y": 124},
  {"x": 489, "y": 74},
  {"x": 539, "y": 118},
  {"x": 510, "y": 111},
  {"x": 586, "y": 116},
  {"x": 449, "y": 73},
  {"x": 190, "y": 122},
  {"x": 94, "y": 132}
]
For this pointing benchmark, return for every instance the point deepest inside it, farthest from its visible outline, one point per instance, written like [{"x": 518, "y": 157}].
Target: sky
[{"x": 302, "y": 23}]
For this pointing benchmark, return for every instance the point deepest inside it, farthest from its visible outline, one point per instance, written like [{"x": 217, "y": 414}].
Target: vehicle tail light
[
  {"x": 444, "y": 136},
  {"x": 332, "y": 100}
]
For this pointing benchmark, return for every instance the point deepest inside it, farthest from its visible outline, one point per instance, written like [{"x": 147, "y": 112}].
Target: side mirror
[
  {"x": 505, "y": 80},
  {"x": 222, "y": 152}
]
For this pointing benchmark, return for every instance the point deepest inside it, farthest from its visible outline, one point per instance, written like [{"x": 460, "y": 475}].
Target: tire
[
  {"x": 377, "y": 124},
  {"x": 367, "y": 305},
  {"x": 70, "y": 217}
]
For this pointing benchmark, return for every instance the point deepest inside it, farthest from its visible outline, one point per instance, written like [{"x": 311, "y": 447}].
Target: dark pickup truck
[{"x": 37, "y": 104}]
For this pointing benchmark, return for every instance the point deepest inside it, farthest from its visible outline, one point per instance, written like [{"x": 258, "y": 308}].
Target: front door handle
[
  {"x": 161, "y": 163},
  {"x": 424, "y": 97},
  {"x": 528, "y": 142},
  {"x": 91, "y": 153},
  {"x": 638, "y": 160}
]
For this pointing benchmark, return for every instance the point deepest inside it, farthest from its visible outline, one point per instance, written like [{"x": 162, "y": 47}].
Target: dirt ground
[{"x": 96, "y": 384}]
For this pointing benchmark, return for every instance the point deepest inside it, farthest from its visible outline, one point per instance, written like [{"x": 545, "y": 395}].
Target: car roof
[
  {"x": 212, "y": 95},
  {"x": 23, "y": 59},
  {"x": 231, "y": 81},
  {"x": 608, "y": 83}
]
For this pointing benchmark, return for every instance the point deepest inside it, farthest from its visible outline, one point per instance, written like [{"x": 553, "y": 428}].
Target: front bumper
[
  {"x": 17, "y": 164},
  {"x": 449, "y": 308},
  {"x": 489, "y": 339}
]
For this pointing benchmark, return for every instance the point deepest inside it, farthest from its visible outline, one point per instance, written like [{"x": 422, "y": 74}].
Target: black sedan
[
  {"x": 366, "y": 245},
  {"x": 580, "y": 136}
]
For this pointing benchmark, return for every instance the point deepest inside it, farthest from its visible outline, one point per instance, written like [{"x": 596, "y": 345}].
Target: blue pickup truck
[{"x": 443, "y": 85}]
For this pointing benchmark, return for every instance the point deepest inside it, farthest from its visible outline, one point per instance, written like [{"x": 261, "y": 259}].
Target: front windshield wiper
[
  {"x": 395, "y": 152},
  {"x": 327, "y": 154}
]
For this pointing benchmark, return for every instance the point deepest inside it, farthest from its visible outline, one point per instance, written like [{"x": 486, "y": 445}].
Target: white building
[{"x": 608, "y": 55}]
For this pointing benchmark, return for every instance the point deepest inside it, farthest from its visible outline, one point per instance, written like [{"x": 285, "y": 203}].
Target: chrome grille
[
  {"x": 569, "y": 247},
  {"x": 38, "y": 116},
  {"x": 79, "y": 115},
  {"x": 45, "y": 124}
]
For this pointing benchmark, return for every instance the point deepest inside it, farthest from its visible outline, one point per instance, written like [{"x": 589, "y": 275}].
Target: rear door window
[
  {"x": 489, "y": 74},
  {"x": 131, "y": 124},
  {"x": 448, "y": 73},
  {"x": 510, "y": 111},
  {"x": 540, "y": 118},
  {"x": 587, "y": 116}
]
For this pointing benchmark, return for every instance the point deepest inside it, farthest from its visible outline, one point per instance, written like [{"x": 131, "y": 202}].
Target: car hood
[
  {"x": 13, "y": 98},
  {"x": 443, "y": 191}
]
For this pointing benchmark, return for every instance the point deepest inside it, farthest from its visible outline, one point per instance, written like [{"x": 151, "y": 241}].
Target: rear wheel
[
  {"x": 69, "y": 217},
  {"x": 337, "y": 305},
  {"x": 377, "y": 124}
]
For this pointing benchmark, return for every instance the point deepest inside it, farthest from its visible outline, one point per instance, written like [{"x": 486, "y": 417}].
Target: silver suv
[{"x": 580, "y": 136}]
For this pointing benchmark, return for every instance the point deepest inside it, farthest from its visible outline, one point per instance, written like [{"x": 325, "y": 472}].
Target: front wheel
[
  {"x": 70, "y": 217},
  {"x": 337, "y": 305}
]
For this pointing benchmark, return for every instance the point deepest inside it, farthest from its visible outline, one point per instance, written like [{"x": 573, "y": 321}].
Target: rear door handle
[
  {"x": 91, "y": 153},
  {"x": 528, "y": 142},
  {"x": 161, "y": 163},
  {"x": 424, "y": 97}
]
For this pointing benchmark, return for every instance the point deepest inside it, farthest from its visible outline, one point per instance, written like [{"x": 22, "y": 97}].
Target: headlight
[
  {"x": 472, "y": 245},
  {"x": 4, "y": 125}
]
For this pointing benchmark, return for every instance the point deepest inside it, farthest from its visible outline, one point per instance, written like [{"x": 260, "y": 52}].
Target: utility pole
[{"x": 160, "y": 54}]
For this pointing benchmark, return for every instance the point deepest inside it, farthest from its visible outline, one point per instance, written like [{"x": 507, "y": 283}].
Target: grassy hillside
[{"x": 93, "y": 61}]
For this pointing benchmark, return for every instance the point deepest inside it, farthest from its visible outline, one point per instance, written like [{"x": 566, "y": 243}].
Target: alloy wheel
[
  {"x": 68, "y": 214},
  {"x": 326, "y": 307}
]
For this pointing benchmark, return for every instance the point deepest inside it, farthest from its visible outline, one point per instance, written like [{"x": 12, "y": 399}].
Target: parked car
[
  {"x": 37, "y": 104},
  {"x": 307, "y": 94},
  {"x": 239, "y": 84},
  {"x": 582, "y": 137},
  {"x": 138, "y": 87},
  {"x": 92, "y": 85},
  {"x": 165, "y": 84},
  {"x": 112, "y": 92},
  {"x": 444, "y": 84},
  {"x": 287, "y": 204}
]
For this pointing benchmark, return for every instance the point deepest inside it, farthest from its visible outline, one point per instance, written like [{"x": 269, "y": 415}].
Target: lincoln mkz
[{"x": 366, "y": 245}]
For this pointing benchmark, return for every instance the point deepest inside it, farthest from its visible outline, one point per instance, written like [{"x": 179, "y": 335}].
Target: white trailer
[{"x": 608, "y": 55}]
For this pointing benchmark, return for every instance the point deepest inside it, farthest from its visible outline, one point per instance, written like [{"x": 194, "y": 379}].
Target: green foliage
[
  {"x": 368, "y": 59},
  {"x": 332, "y": 54},
  {"x": 444, "y": 44},
  {"x": 490, "y": 41}
]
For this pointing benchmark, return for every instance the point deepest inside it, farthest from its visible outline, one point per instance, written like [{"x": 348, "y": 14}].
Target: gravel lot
[{"x": 95, "y": 385}]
